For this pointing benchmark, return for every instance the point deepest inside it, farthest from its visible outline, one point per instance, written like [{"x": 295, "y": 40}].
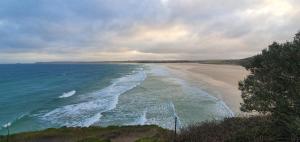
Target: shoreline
[{"x": 221, "y": 81}]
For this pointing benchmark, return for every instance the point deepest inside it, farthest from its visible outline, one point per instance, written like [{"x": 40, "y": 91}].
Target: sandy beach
[{"x": 220, "y": 81}]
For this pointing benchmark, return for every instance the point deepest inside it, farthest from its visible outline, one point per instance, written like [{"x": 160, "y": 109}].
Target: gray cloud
[{"x": 139, "y": 29}]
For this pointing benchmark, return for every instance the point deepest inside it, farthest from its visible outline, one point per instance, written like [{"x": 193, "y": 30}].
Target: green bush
[
  {"x": 237, "y": 129},
  {"x": 273, "y": 87}
]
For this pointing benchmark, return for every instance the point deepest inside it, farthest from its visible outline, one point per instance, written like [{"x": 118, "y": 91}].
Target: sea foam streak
[
  {"x": 7, "y": 125},
  {"x": 89, "y": 112},
  {"x": 68, "y": 94},
  {"x": 141, "y": 120}
]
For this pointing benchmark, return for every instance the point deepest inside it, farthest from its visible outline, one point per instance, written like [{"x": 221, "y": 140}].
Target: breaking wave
[
  {"x": 90, "y": 111},
  {"x": 68, "y": 94}
]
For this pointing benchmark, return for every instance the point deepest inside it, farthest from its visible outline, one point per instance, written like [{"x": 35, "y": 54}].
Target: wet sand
[{"x": 220, "y": 81}]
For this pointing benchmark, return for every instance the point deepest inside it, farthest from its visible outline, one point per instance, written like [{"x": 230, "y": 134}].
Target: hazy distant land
[{"x": 213, "y": 61}]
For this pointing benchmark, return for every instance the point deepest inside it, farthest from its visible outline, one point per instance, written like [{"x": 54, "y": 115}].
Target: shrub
[{"x": 273, "y": 87}]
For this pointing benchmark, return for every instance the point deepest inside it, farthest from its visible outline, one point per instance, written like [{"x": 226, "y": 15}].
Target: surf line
[{"x": 176, "y": 118}]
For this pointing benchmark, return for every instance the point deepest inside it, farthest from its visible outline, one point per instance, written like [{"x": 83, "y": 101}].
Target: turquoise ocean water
[{"x": 39, "y": 96}]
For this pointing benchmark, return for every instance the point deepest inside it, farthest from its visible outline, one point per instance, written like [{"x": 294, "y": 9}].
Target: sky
[{"x": 101, "y": 30}]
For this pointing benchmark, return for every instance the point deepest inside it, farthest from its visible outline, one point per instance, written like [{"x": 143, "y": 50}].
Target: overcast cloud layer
[{"x": 94, "y": 30}]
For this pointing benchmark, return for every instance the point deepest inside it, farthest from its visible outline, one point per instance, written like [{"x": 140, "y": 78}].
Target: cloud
[{"x": 43, "y": 30}]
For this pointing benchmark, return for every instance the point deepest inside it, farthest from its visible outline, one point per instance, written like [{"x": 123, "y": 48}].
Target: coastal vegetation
[
  {"x": 149, "y": 133},
  {"x": 273, "y": 87},
  {"x": 272, "y": 90}
]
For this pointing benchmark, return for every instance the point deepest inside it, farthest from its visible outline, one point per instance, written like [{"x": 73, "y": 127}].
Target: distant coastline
[{"x": 213, "y": 61}]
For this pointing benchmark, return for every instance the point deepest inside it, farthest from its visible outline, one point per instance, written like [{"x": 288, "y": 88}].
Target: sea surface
[{"x": 40, "y": 96}]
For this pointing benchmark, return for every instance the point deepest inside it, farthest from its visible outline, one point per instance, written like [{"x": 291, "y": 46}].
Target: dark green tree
[{"x": 273, "y": 86}]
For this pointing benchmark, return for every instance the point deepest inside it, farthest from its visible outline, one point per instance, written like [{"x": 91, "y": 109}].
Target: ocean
[{"x": 39, "y": 96}]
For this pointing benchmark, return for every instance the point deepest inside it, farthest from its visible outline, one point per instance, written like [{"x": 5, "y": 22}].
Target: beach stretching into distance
[{"x": 219, "y": 80}]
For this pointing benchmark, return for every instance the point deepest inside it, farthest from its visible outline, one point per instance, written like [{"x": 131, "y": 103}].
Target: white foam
[
  {"x": 161, "y": 114},
  {"x": 90, "y": 111},
  {"x": 12, "y": 122},
  {"x": 7, "y": 125},
  {"x": 68, "y": 94},
  {"x": 175, "y": 114},
  {"x": 143, "y": 119},
  {"x": 92, "y": 120},
  {"x": 157, "y": 70},
  {"x": 221, "y": 106}
]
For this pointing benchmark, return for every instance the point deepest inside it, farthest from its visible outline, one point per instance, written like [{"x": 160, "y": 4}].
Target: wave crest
[
  {"x": 68, "y": 94},
  {"x": 89, "y": 112}
]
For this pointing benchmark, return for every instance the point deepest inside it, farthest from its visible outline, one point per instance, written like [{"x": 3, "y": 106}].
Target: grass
[{"x": 93, "y": 134}]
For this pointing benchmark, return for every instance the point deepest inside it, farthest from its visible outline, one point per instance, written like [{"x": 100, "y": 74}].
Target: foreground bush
[
  {"x": 273, "y": 86},
  {"x": 237, "y": 129}
]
